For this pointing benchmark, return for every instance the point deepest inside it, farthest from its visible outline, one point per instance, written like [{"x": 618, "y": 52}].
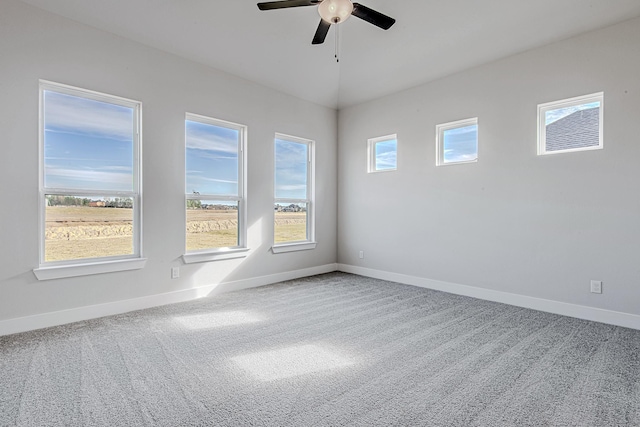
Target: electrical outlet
[
  {"x": 596, "y": 286},
  {"x": 361, "y": 255},
  {"x": 175, "y": 272}
]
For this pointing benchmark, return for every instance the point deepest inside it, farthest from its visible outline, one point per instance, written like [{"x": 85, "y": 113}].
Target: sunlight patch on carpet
[
  {"x": 218, "y": 320},
  {"x": 291, "y": 362}
]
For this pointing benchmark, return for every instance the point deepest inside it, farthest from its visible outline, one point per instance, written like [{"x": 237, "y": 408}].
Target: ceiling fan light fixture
[{"x": 335, "y": 11}]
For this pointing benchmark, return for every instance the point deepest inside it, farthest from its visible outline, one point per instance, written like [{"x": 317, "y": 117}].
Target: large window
[
  {"x": 215, "y": 204},
  {"x": 573, "y": 124},
  {"x": 90, "y": 176},
  {"x": 382, "y": 153},
  {"x": 457, "y": 142},
  {"x": 294, "y": 198}
]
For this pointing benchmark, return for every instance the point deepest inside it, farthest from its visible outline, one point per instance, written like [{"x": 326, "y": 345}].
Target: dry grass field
[
  {"x": 211, "y": 229},
  {"x": 76, "y": 232},
  {"x": 290, "y": 227}
]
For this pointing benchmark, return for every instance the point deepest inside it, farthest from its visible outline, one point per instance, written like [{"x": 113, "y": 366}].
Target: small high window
[
  {"x": 215, "y": 203},
  {"x": 573, "y": 124},
  {"x": 457, "y": 142},
  {"x": 382, "y": 153}
]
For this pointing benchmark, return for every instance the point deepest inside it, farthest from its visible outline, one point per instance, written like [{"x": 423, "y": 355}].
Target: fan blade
[
  {"x": 373, "y": 17},
  {"x": 321, "y": 32},
  {"x": 286, "y": 3}
]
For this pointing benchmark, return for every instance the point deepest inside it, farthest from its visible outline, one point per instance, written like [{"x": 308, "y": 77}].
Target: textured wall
[{"x": 512, "y": 222}]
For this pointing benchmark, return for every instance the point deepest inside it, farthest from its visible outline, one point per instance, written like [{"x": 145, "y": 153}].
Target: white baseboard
[
  {"x": 45, "y": 320},
  {"x": 254, "y": 282},
  {"x": 566, "y": 309},
  {"x": 55, "y": 318}
]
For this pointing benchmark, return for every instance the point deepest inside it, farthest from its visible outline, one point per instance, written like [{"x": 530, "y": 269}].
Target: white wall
[
  {"x": 37, "y": 45},
  {"x": 514, "y": 222}
]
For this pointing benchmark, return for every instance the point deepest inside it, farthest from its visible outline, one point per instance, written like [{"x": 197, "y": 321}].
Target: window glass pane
[
  {"x": 290, "y": 222},
  {"x": 87, "y": 227},
  {"x": 572, "y": 127},
  {"x": 386, "y": 155},
  {"x": 211, "y": 159},
  {"x": 211, "y": 224},
  {"x": 291, "y": 169},
  {"x": 88, "y": 144},
  {"x": 460, "y": 144}
]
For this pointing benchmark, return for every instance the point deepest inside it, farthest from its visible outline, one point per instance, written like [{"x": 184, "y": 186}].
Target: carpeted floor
[{"x": 332, "y": 350}]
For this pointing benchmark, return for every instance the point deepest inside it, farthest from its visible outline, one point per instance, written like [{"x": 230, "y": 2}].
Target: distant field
[
  {"x": 211, "y": 229},
  {"x": 290, "y": 226},
  {"x": 57, "y": 215},
  {"x": 75, "y": 232}
]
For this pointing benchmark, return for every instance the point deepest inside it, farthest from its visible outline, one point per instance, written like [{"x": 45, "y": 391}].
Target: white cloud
[
  {"x": 555, "y": 115},
  {"x": 459, "y": 157},
  {"x": 115, "y": 180},
  {"x": 116, "y": 168},
  {"x": 224, "y": 181},
  {"x": 80, "y": 159},
  {"x": 288, "y": 152},
  {"x": 207, "y": 140},
  {"x": 75, "y": 115},
  {"x": 196, "y": 176},
  {"x": 291, "y": 169},
  {"x": 462, "y": 130},
  {"x": 387, "y": 159},
  {"x": 292, "y": 187}
]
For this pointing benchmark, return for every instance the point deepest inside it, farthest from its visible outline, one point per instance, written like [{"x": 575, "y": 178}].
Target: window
[
  {"x": 90, "y": 177},
  {"x": 573, "y": 124},
  {"x": 382, "y": 153},
  {"x": 294, "y": 198},
  {"x": 457, "y": 142},
  {"x": 215, "y": 203}
]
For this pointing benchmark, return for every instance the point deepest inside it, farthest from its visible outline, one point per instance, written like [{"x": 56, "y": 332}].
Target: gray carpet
[{"x": 332, "y": 350}]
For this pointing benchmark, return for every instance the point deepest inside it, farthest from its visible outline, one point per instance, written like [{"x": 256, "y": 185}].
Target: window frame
[
  {"x": 565, "y": 103},
  {"x": 229, "y": 252},
  {"x": 310, "y": 242},
  {"x": 443, "y": 127},
  {"x": 371, "y": 153},
  {"x": 97, "y": 265}
]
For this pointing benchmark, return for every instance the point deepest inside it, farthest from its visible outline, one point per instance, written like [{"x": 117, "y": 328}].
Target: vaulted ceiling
[{"x": 431, "y": 38}]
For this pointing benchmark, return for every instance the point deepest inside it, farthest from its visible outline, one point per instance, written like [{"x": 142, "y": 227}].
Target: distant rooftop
[{"x": 577, "y": 130}]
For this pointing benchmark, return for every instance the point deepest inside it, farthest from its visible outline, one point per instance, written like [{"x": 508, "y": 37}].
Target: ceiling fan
[{"x": 333, "y": 12}]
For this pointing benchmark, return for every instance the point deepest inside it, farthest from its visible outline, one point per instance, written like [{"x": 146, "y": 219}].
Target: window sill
[
  {"x": 570, "y": 150},
  {"x": 461, "y": 162},
  {"x": 292, "y": 247},
  {"x": 382, "y": 170},
  {"x": 196, "y": 257},
  {"x": 63, "y": 271}
]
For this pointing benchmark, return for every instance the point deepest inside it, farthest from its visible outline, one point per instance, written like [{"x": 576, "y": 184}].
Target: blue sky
[
  {"x": 461, "y": 144},
  {"x": 555, "y": 115},
  {"x": 88, "y": 145},
  {"x": 211, "y": 159},
  {"x": 386, "y": 154},
  {"x": 291, "y": 170}
]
